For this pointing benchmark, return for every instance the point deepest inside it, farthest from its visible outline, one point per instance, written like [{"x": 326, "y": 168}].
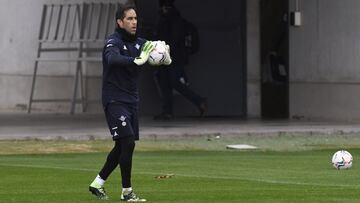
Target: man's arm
[{"x": 113, "y": 56}]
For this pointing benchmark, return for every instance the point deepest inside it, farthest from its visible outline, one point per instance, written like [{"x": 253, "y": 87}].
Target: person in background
[{"x": 171, "y": 30}]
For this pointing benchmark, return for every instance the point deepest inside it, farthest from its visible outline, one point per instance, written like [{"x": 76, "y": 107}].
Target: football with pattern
[
  {"x": 158, "y": 54},
  {"x": 342, "y": 160}
]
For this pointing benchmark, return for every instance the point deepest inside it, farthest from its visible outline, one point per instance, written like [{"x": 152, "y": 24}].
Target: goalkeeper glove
[
  {"x": 167, "y": 60},
  {"x": 145, "y": 53}
]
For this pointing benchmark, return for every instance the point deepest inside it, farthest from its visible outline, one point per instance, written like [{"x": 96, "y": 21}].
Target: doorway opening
[
  {"x": 217, "y": 70},
  {"x": 274, "y": 27}
]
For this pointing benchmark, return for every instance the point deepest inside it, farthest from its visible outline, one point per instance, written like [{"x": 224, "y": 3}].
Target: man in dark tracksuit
[
  {"x": 171, "y": 30},
  {"x": 123, "y": 53}
]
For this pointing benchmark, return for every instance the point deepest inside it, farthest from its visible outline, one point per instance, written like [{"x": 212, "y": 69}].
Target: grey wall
[
  {"x": 20, "y": 23},
  {"x": 324, "y": 60},
  {"x": 17, "y": 41},
  {"x": 217, "y": 71}
]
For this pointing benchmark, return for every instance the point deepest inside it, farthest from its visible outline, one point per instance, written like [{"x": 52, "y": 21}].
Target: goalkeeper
[{"x": 123, "y": 54}]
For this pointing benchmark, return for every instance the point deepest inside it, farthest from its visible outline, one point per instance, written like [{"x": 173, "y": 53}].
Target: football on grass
[
  {"x": 158, "y": 54},
  {"x": 342, "y": 160}
]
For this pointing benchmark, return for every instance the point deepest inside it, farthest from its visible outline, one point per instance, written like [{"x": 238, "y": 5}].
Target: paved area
[{"x": 93, "y": 126}]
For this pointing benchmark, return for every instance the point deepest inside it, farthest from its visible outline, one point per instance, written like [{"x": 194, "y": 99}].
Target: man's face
[{"x": 129, "y": 23}]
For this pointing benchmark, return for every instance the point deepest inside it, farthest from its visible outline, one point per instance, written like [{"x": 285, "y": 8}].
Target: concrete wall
[
  {"x": 223, "y": 83},
  {"x": 18, "y": 44},
  {"x": 324, "y": 60},
  {"x": 20, "y": 22}
]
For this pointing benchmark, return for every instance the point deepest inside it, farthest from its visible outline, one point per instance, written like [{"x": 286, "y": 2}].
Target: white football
[
  {"x": 158, "y": 54},
  {"x": 342, "y": 160}
]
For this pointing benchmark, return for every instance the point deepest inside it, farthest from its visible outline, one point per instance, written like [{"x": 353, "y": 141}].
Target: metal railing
[{"x": 79, "y": 29}]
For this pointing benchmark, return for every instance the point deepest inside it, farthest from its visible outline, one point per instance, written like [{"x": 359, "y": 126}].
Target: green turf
[
  {"x": 286, "y": 142},
  {"x": 199, "y": 176}
]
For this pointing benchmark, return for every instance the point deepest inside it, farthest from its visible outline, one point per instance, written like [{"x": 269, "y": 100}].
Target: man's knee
[{"x": 126, "y": 142}]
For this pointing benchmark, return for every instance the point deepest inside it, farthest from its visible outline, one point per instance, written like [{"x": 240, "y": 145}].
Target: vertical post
[
  {"x": 40, "y": 37},
  {"x": 49, "y": 23},
  {"x": 82, "y": 22},
  {"x": 73, "y": 101},
  {"x": 76, "y": 15},
  {"x": 42, "y": 25},
  {"x": 58, "y": 22},
  {"x": 90, "y": 20},
  {"x": 83, "y": 99},
  {"x": 66, "y": 21},
  {"x": 33, "y": 80},
  {"x": 99, "y": 22},
  {"x": 108, "y": 10}
]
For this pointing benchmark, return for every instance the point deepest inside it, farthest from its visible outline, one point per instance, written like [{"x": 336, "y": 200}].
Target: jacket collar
[{"x": 125, "y": 35}]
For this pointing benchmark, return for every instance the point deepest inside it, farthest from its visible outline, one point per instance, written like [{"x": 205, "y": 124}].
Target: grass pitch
[{"x": 200, "y": 174}]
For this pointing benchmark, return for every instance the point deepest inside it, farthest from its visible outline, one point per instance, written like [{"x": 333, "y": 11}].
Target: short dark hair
[{"x": 120, "y": 13}]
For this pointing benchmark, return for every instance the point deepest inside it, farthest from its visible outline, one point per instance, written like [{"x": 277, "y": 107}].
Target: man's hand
[{"x": 145, "y": 52}]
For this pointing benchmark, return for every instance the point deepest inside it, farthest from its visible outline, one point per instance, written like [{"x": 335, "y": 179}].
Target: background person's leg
[
  {"x": 165, "y": 90},
  {"x": 189, "y": 94}
]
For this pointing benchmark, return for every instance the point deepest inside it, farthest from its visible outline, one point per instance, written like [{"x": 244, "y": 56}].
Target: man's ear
[{"x": 120, "y": 23}]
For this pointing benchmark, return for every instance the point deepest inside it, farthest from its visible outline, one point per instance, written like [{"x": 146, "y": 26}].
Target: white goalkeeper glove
[
  {"x": 145, "y": 53},
  {"x": 167, "y": 60}
]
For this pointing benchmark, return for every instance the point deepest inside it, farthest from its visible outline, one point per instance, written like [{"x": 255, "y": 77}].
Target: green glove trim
[{"x": 145, "y": 53}]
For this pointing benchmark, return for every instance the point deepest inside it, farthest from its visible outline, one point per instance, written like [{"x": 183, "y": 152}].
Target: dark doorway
[
  {"x": 274, "y": 59},
  {"x": 218, "y": 70}
]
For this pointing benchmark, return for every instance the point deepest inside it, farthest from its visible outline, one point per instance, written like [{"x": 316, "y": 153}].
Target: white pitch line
[
  {"x": 190, "y": 176},
  {"x": 46, "y": 167}
]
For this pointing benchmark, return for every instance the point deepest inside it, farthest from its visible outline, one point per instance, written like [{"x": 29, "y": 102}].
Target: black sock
[{"x": 125, "y": 160}]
